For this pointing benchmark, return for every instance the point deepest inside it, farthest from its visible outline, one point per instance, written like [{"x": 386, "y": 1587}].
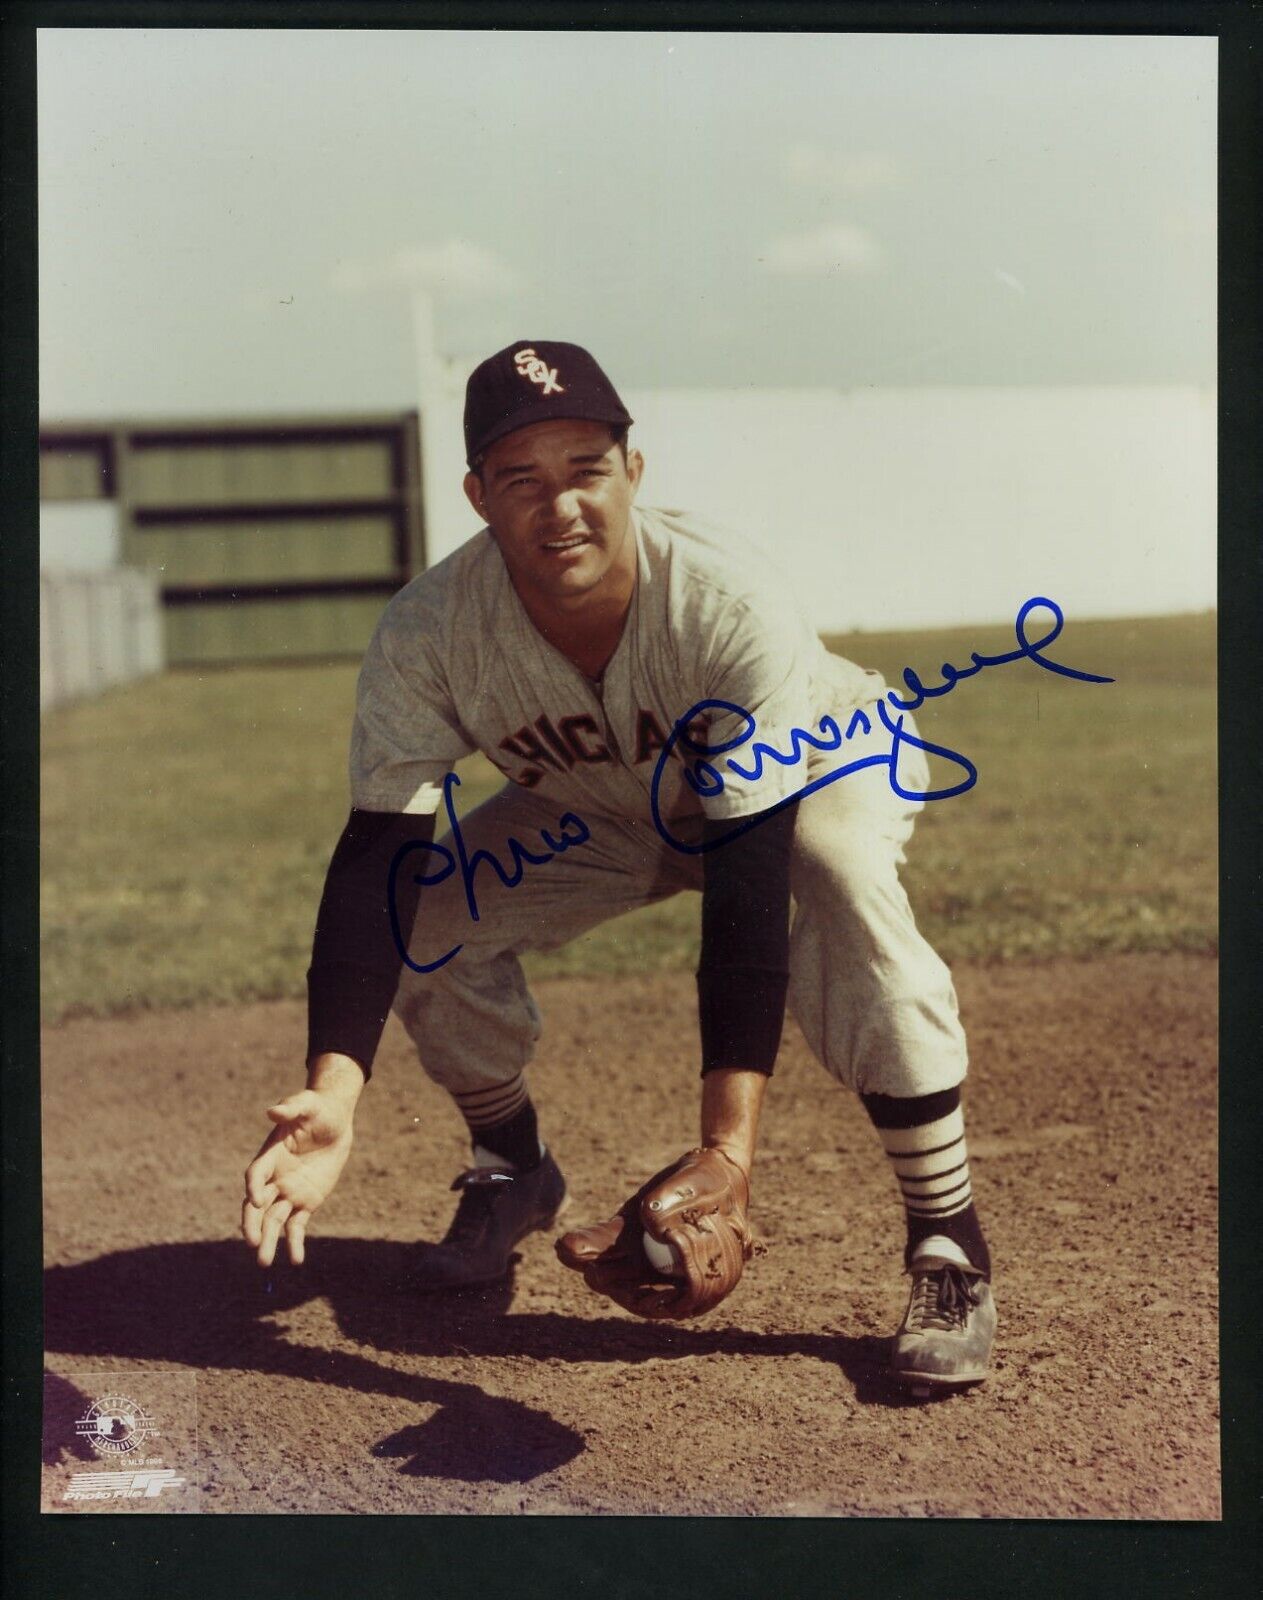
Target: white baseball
[{"x": 663, "y": 1257}]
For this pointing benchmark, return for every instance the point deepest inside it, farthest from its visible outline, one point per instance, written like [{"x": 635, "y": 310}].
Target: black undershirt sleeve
[
  {"x": 356, "y": 958},
  {"x": 743, "y": 973}
]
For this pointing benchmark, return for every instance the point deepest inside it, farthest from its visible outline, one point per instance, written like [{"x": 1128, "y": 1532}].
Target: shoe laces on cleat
[{"x": 942, "y": 1298}]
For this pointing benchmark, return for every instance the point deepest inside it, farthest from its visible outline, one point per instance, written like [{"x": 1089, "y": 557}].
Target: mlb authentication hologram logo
[{"x": 115, "y": 1425}]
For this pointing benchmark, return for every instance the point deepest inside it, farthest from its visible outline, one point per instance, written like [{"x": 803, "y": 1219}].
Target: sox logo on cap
[{"x": 530, "y": 366}]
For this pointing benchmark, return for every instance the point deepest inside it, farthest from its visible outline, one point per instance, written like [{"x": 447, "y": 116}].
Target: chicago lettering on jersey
[{"x": 577, "y": 740}]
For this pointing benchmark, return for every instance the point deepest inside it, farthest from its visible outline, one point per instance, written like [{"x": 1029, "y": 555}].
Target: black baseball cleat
[
  {"x": 947, "y": 1331},
  {"x": 498, "y": 1207}
]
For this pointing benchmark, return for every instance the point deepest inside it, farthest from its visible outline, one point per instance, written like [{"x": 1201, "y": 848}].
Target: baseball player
[{"x": 665, "y": 719}]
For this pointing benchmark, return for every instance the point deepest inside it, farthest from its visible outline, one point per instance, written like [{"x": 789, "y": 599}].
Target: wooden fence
[{"x": 276, "y": 539}]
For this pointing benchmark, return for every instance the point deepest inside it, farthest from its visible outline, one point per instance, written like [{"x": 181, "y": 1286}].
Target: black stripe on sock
[
  {"x": 923, "y": 1199},
  {"x": 938, "y": 1211},
  {"x": 933, "y": 1177},
  {"x": 516, "y": 1139},
  {"x": 917, "y": 1155},
  {"x": 898, "y": 1111},
  {"x": 961, "y": 1226},
  {"x": 506, "y": 1097},
  {"x": 493, "y": 1108},
  {"x": 476, "y": 1097}
]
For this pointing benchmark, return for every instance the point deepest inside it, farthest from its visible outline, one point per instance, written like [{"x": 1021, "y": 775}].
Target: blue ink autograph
[
  {"x": 573, "y": 831},
  {"x": 706, "y": 781}
]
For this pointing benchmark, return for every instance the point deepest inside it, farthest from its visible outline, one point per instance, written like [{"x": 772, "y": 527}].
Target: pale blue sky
[{"x": 230, "y": 219}]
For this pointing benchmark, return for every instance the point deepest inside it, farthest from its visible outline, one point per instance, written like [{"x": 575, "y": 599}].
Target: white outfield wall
[
  {"x": 97, "y": 629},
  {"x": 892, "y": 508}
]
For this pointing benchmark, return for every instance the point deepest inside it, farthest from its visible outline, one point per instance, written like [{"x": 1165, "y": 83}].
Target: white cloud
[
  {"x": 455, "y": 267},
  {"x": 809, "y": 166},
  {"x": 837, "y": 247}
]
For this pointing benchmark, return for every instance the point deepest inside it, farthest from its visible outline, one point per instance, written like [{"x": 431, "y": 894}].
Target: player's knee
[
  {"x": 413, "y": 1001},
  {"x": 844, "y": 870}
]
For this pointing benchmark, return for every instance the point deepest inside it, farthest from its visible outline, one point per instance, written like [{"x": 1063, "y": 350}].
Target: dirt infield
[{"x": 1092, "y": 1115}]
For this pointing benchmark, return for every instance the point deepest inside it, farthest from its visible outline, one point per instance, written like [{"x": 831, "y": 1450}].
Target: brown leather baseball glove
[{"x": 698, "y": 1205}]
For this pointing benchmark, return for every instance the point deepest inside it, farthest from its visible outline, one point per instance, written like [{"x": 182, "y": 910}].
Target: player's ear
[
  {"x": 476, "y": 494},
  {"x": 635, "y": 468}
]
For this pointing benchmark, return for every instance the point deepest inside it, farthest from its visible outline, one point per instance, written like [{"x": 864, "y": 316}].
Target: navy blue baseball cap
[{"x": 536, "y": 380}]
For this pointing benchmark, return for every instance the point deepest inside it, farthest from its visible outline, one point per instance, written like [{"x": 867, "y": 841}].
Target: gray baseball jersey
[{"x": 456, "y": 665}]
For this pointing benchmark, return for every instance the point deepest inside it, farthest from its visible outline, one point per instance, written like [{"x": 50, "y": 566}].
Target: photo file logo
[{"x": 145, "y": 1484}]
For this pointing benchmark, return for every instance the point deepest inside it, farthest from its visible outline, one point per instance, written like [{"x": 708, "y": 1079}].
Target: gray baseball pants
[{"x": 874, "y": 1001}]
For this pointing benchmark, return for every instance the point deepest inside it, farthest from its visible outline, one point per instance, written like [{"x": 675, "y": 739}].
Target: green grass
[{"x": 187, "y": 821}]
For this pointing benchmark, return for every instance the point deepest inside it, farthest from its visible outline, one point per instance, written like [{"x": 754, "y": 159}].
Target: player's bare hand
[{"x": 295, "y": 1171}]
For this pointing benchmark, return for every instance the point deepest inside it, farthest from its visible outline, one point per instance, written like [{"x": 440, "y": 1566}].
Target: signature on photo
[{"x": 707, "y": 781}]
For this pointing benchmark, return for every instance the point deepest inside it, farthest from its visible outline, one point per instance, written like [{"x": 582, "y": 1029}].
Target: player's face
[{"x": 557, "y": 497}]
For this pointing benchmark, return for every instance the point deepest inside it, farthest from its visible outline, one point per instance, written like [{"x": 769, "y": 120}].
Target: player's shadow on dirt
[
  {"x": 208, "y": 1305},
  {"x": 63, "y": 1406}
]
